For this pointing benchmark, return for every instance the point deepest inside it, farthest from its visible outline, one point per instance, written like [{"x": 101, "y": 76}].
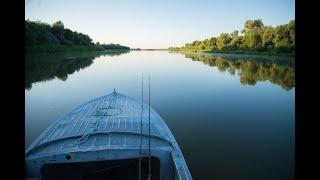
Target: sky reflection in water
[{"x": 233, "y": 113}]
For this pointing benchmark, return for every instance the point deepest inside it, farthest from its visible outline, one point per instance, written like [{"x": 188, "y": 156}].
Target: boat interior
[{"x": 113, "y": 169}]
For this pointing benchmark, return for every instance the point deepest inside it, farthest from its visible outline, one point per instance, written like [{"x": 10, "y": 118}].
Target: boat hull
[{"x": 108, "y": 128}]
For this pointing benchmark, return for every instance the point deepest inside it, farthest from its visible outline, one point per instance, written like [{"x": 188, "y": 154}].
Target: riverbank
[
  {"x": 255, "y": 38},
  {"x": 249, "y": 52},
  {"x": 60, "y": 48},
  {"x": 49, "y": 49}
]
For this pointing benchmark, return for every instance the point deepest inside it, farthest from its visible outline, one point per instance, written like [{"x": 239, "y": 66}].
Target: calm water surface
[{"x": 232, "y": 115}]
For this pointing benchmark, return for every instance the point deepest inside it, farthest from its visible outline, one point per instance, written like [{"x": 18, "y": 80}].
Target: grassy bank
[
  {"x": 250, "y": 52},
  {"x": 61, "y": 48}
]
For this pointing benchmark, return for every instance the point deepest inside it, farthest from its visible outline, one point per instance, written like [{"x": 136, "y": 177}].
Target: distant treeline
[
  {"x": 42, "y": 37},
  {"x": 255, "y": 37}
]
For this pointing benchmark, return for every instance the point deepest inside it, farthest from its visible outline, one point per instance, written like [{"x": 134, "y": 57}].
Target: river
[{"x": 233, "y": 116}]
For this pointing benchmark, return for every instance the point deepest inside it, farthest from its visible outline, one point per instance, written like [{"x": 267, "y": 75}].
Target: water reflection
[
  {"x": 247, "y": 131},
  {"x": 46, "y": 67},
  {"x": 252, "y": 69}
]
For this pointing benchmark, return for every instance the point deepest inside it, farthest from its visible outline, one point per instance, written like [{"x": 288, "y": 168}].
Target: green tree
[
  {"x": 234, "y": 33},
  {"x": 257, "y": 23},
  {"x": 236, "y": 40},
  {"x": 292, "y": 32},
  {"x": 58, "y": 24},
  {"x": 267, "y": 38},
  {"x": 253, "y": 38},
  {"x": 213, "y": 42},
  {"x": 248, "y": 24},
  {"x": 41, "y": 37},
  {"x": 282, "y": 38},
  {"x": 223, "y": 41}
]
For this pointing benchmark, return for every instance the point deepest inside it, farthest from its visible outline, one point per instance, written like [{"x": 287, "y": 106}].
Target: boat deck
[
  {"x": 126, "y": 124},
  {"x": 110, "y": 123}
]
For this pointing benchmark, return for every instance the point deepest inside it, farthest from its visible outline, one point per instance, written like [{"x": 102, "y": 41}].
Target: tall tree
[
  {"x": 58, "y": 24},
  {"x": 223, "y": 41},
  {"x": 253, "y": 38},
  {"x": 257, "y": 23},
  {"x": 248, "y": 24},
  {"x": 267, "y": 38}
]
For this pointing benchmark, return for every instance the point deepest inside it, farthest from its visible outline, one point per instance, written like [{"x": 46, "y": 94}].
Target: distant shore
[
  {"x": 50, "y": 49},
  {"x": 255, "y": 38},
  {"x": 44, "y": 38},
  {"x": 249, "y": 52}
]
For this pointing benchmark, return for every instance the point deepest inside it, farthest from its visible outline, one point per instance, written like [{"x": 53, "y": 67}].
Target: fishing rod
[
  {"x": 140, "y": 157},
  {"x": 149, "y": 174}
]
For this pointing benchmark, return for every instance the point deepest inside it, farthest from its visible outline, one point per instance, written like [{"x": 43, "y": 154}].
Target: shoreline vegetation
[
  {"x": 149, "y": 49},
  {"x": 44, "y": 38},
  {"x": 255, "y": 38}
]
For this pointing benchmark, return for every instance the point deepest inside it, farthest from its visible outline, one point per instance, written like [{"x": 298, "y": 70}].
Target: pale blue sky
[{"x": 157, "y": 23}]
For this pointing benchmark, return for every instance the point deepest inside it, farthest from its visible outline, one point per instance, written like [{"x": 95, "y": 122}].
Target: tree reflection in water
[
  {"x": 45, "y": 67},
  {"x": 250, "y": 69},
  {"x": 277, "y": 70}
]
